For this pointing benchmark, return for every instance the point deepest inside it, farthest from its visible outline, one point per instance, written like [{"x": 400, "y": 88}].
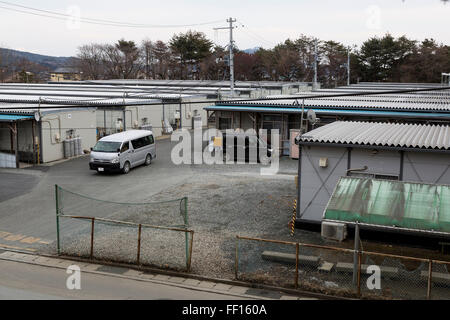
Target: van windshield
[{"x": 106, "y": 146}]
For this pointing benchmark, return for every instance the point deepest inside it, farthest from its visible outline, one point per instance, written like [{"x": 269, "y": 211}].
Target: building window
[{"x": 224, "y": 123}]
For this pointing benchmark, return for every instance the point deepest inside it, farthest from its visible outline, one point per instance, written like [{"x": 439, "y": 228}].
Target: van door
[
  {"x": 152, "y": 146},
  {"x": 136, "y": 153},
  {"x": 125, "y": 153}
]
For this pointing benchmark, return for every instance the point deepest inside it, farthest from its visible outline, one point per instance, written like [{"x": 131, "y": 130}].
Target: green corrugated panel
[{"x": 391, "y": 203}]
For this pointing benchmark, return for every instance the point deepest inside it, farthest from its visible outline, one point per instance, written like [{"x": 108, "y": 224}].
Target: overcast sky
[{"x": 266, "y": 23}]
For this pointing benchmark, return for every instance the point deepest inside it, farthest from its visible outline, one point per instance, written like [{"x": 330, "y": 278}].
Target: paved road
[
  {"x": 28, "y": 209},
  {"x": 27, "y": 201},
  {"x": 24, "y": 281}
]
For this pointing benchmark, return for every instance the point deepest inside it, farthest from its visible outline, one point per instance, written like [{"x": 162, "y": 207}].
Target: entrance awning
[
  {"x": 13, "y": 117},
  {"x": 391, "y": 204}
]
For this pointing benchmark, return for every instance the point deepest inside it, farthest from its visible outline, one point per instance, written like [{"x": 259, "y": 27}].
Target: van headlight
[{"x": 115, "y": 160}]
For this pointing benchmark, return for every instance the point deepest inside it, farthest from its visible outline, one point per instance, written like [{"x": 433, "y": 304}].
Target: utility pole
[
  {"x": 230, "y": 47},
  {"x": 315, "y": 64},
  {"x": 348, "y": 66}
]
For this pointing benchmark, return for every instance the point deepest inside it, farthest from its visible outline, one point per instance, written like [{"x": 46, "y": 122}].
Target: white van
[{"x": 123, "y": 151}]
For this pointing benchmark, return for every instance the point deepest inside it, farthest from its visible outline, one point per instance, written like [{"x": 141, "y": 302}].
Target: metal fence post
[
  {"x": 191, "y": 242},
  {"x": 57, "y": 219},
  {"x": 185, "y": 226},
  {"x": 297, "y": 247},
  {"x": 92, "y": 237},
  {"x": 139, "y": 244},
  {"x": 236, "y": 258},
  {"x": 355, "y": 254},
  {"x": 359, "y": 274},
  {"x": 430, "y": 278}
]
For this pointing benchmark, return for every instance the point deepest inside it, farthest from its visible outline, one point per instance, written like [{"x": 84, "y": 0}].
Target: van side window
[
  {"x": 136, "y": 143},
  {"x": 142, "y": 142},
  {"x": 145, "y": 141},
  {"x": 125, "y": 147},
  {"x": 152, "y": 140}
]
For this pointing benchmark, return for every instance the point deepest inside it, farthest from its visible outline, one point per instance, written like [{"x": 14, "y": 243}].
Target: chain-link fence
[
  {"x": 440, "y": 280},
  {"x": 169, "y": 213},
  {"x": 340, "y": 272},
  {"x": 135, "y": 242}
]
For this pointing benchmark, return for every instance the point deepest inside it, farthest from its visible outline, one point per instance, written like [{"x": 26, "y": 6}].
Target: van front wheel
[
  {"x": 148, "y": 160},
  {"x": 126, "y": 167}
]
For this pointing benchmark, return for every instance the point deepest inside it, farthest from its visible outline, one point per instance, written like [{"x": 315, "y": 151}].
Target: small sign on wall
[{"x": 323, "y": 162}]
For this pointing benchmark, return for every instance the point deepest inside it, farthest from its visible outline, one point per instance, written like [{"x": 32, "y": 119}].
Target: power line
[
  {"x": 254, "y": 35},
  {"x": 62, "y": 16}
]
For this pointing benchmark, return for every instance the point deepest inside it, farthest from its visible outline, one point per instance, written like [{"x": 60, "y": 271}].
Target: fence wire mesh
[
  {"x": 400, "y": 278},
  {"x": 115, "y": 242},
  {"x": 440, "y": 281},
  {"x": 266, "y": 262},
  {"x": 75, "y": 237},
  {"x": 170, "y": 213},
  {"x": 340, "y": 272},
  {"x": 152, "y": 234},
  {"x": 327, "y": 271},
  {"x": 165, "y": 248}
]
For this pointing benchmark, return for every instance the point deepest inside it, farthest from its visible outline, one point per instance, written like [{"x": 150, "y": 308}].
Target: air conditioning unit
[
  {"x": 147, "y": 127},
  {"x": 334, "y": 230}
]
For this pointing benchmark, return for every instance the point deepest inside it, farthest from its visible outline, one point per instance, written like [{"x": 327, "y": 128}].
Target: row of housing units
[
  {"x": 375, "y": 154},
  {"x": 41, "y": 123},
  {"x": 363, "y": 134}
]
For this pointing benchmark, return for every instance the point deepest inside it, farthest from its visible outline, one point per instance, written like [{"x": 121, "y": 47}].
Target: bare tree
[{"x": 90, "y": 61}]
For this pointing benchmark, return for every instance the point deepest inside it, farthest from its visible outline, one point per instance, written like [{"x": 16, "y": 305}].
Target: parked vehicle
[
  {"x": 241, "y": 147},
  {"x": 123, "y": 151}
]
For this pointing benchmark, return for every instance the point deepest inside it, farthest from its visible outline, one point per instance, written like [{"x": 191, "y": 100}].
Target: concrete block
[
  {"x": 288, "y": 298},
  {"x": 177, "y": 279},
  {"x": 290, "y": 258},
  {"x": 238, "y": 290},
  {"x": 192, "y": 282},
  {"x": 326, "y": 266},
  {"x": 132, "y": 273},
  {"x": 206, "y": 284},
  {"x": 348, "y": 268},
  {"x": 344, "y": 267},
  {"x": 148, "y": 276},
  {"x": 162, "y": 277},
  {"x": 222, "y": 287},
  {"x": 437, "y": 277}
]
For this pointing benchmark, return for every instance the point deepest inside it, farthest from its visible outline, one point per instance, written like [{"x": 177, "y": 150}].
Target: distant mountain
[
  {"x": 10, "y": 56},
  {"x": 251, "y": 50}
]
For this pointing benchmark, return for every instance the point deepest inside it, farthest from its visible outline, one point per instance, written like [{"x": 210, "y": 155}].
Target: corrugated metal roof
[
  {"x": 400, "y": 104},
  {"x": 195, "y": 83},
  {"x": 79, "y": 100},
  {"x": 31, "y": 108},
  {"x": 382, "y": 134}
]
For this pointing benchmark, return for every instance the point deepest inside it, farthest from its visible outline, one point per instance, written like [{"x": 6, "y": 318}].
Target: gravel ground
[{"x": 222, "y": 202}]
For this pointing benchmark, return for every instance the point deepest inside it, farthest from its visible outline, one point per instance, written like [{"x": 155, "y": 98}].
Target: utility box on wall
[{"x": 294, "y": 147}]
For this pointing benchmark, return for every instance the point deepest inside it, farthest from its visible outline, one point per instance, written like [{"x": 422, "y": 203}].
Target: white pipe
[{"x": 50, "y": 125}]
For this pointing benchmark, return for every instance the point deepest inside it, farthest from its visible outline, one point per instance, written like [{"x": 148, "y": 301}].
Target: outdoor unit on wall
[{"x": 334, "y": 230}]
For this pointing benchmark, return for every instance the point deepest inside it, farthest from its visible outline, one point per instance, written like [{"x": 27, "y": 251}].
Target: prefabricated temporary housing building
[
  {"x": 261, "y": 88},
  {"x": 32, "y": 134},
  {"x": 119, "y": 108},
  {"x": 413, "y": 153}
]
